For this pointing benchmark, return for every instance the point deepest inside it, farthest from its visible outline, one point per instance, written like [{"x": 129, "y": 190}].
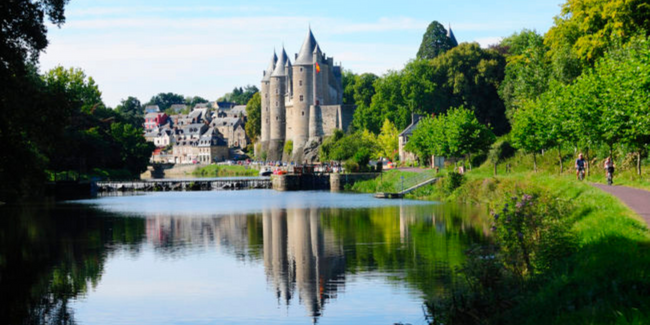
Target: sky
[{"x": 206, "y": 48}]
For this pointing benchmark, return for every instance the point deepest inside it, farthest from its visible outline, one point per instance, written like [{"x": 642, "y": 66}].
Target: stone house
[
  {"x": 212, "y": 147},
  {"x": 404, "y": 136},
  {"x": 232, "y": 130}
]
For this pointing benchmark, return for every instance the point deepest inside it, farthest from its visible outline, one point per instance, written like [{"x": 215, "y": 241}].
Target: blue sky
[{"x": 205, "y": 48}]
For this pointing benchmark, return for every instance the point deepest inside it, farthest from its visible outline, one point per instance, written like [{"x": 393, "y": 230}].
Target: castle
[{"x": 301, "y": 103}]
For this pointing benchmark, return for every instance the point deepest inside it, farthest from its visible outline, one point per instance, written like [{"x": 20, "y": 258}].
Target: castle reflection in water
[{"x": 304, "y": 255}]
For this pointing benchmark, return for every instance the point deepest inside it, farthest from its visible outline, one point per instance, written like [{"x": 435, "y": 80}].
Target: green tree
[
  {"x": 589, "y": 27},
  {"x": 193, "y": 101},
  {"x": 388, "y": 140},
  {"x": 134, "y": 150},
  {"x": 347, "y": 83},
  {"x": 131, "y": 110},
  {"x": 455, "y": 134},
  {"x": 254, "y": 112},
  {"x": 527, "y": 71},
  {"x": 529, "y": 130},
  {"x": 470, "y": 76},
  {"x": 364, "y": 117},
  {"x": 388, "y": 100},
  {"x": 434, "y": 41},
  {"x": 166, "y": 100},
  {"x": 240, "y": 95}
]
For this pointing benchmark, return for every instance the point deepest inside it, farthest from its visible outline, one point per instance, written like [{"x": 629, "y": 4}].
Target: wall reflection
[{"x": 307, "y": 252}]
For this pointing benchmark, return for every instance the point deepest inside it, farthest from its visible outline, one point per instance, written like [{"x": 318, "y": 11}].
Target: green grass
[
  {"x": 606, "y": 282},
  {"x": 225, "y": 171}
]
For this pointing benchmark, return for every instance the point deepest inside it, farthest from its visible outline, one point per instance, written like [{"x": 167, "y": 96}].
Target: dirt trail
[{"x": 637, "y": 200}]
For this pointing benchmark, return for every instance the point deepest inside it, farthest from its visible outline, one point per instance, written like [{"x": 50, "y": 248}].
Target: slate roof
[
  {"x": 279, "y": 66},
  {"x": 269, "y": 70},
  {"x": 306, "y": 54},
  {"x": 409, "y": 129}
]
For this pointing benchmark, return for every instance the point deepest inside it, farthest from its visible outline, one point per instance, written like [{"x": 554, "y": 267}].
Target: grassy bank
[
  {"x": 604, "y": 281},
  {"x": 225, "y": 171}
]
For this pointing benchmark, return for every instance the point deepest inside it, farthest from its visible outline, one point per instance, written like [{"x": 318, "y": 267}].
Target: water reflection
[{"x": 307, "y": 254}]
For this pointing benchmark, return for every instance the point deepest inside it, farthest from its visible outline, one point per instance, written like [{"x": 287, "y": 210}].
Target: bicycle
[{"x": 581, "y": 174}]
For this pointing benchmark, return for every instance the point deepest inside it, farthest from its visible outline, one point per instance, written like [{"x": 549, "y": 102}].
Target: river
[{"x": 240, "y": 257}]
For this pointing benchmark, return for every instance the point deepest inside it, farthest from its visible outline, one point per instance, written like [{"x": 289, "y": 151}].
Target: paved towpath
[{"x": 637, "y": 200}]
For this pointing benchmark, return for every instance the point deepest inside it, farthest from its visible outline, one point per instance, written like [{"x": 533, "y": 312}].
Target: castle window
[
  {"x": 277, "y": 104},
  {"x": 266, "y": 95},
  {"x": 303, "y": 113},
  {"x": 300, "y": 83},
  {"x": 301, "y": 98},
  {"x": 276, "y": 118},
  {"x": 300, "y": 69},
  {"x": 277, "y": 91}
]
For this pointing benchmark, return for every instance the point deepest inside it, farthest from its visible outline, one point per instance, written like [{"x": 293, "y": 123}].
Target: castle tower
[
  {"x": 303, "y": 94},
  {"x": 266, "y": 104},
  {"x": 278, "y": 90}
]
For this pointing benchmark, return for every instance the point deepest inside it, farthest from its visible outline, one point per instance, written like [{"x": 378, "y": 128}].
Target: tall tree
[
  {"x": 585, "y": 29},
  {"x": 470, "y": 76},
  {"x": 388, "y": 140},
  {"x": 254, "y": 112},
  {"x": 166, "y": 100},
  {"x": 132, "y": 111},
  {"x": 527, "y": 71},
  {"x": 364, "y": 117},
  {"x": 434, "y": 42}
]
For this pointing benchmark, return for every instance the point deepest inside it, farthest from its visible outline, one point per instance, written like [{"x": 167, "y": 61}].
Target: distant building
[
  {"x": 212, "y": 147},
  {"x": 403, "y": 138},
  {"x": 151, "y": 109},
  {"x": 154, "y": 120},
  {"x": 232, "y": 129}
]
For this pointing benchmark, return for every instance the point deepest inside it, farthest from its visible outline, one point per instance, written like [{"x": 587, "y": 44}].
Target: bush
[
  {"x": 351, "y": 166},
  {"x": 453, "y": 181},
  {"x": 531, "y": 233}
]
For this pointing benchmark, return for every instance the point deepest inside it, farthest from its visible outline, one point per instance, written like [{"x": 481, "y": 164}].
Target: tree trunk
[
  {"x": 559, "y": 153},
  {"x": 638, "y": 162},
  {"x": 535, "y": 161}
]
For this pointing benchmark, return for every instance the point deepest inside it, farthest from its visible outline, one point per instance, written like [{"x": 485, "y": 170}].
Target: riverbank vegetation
[{"x": 225, "y": 171}]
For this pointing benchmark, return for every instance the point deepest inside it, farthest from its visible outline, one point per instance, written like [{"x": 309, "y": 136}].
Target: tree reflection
[{"x": 50, "y": 256}]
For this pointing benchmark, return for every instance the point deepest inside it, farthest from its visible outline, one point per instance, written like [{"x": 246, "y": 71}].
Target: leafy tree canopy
[
  {"x": 434, "y": 42},
  {"x": 254, "y": 112}
]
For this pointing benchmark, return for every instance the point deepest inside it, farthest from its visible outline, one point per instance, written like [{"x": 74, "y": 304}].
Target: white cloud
[{"x": 485, "y": 42}]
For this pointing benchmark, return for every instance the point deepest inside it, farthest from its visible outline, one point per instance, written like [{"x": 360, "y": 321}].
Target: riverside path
[{"x": 638, "y": 200}]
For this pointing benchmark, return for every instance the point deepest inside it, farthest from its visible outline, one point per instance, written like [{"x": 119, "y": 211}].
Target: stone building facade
[{"x": 301, "y": 102}]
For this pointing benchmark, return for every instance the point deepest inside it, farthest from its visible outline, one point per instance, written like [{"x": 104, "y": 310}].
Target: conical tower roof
[
  {"x": 279, "y": 66},
  {"x": 306, "y": 54},
  {"x": 269, "y": 70},
  {"x": 452, "y": 38}
]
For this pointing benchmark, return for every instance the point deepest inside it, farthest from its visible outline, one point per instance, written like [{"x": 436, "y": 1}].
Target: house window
[
  {"x": 266, "y": 95},
  {"x": 301, "y": 98}
]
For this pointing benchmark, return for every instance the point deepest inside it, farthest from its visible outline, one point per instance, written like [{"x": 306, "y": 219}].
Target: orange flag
[{"x": 317, "y": 68}]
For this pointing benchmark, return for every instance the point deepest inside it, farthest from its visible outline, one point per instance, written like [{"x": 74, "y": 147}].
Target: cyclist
[
  {"x": 580, "y": 165},
  {"x": 609, "y": 170}
]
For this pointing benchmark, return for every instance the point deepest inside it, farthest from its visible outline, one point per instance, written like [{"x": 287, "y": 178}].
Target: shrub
[{"x": 453, "y": 181}]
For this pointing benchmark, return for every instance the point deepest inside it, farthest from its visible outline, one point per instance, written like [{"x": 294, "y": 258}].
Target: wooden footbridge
[{"x": 186, "y": 184}]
